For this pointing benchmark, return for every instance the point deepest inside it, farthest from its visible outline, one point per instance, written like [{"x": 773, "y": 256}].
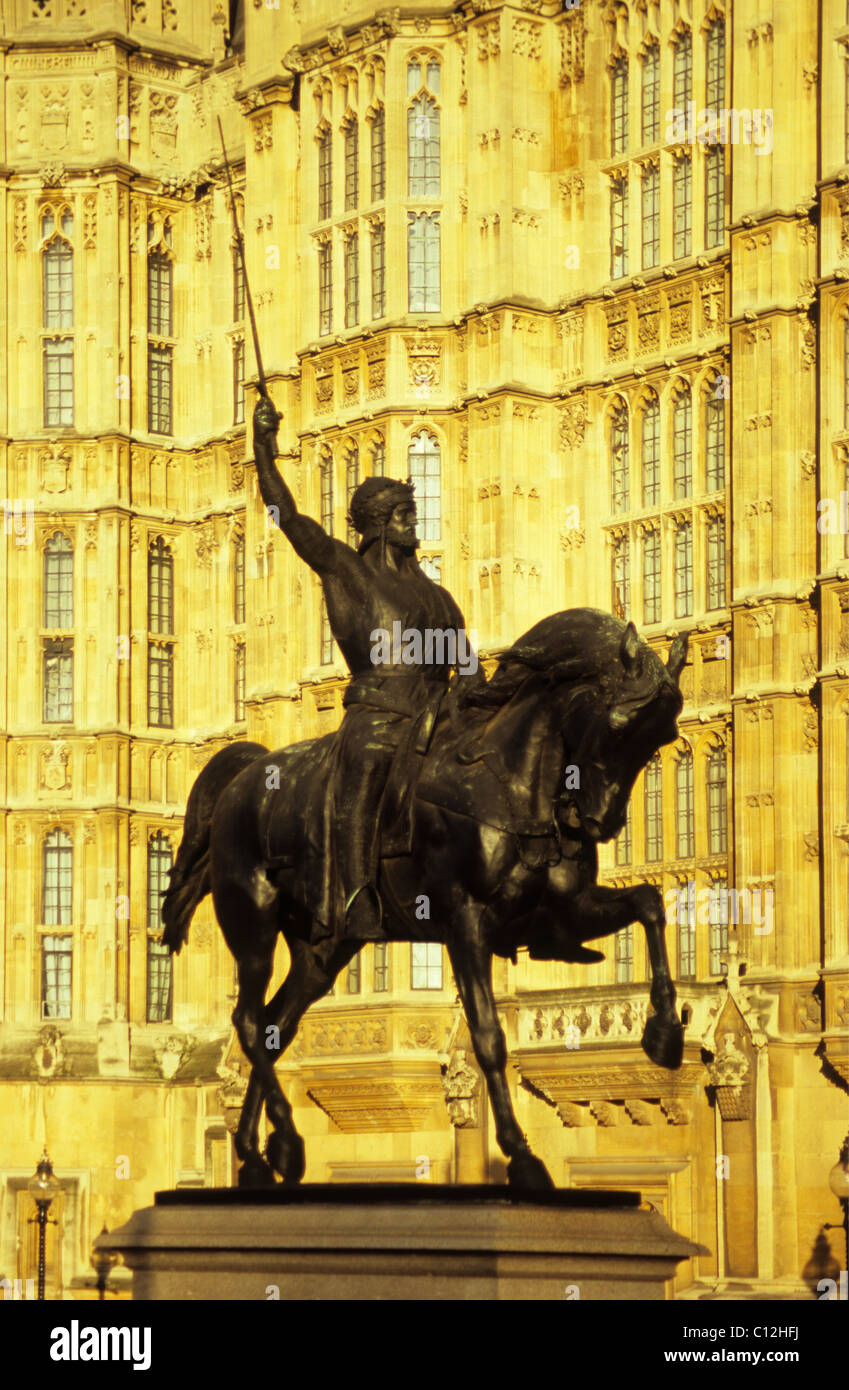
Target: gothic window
[
  {"x": 624, "y": 955},
  {"x": 622, "y": 843},
  {"x": 159, "y": 860},
  {"x": 160, "y": 363},
  {"x": 682, "y": 443},
  {"x": 378, "y": 272},
  {"x": 684, "y": 807},
  {"x": 715, "y": 441},
  {"x": 381, "y": 967},
  {"x": 58, "y": 381},
  {"x": 423, "y": 135},
  {"x": 352, "y": 172},
  {"x": 717, "y": 802},
  {"x": 423, "y": 262},
  {"x": 687, "y": 933},
  {"x": 58, "y": 680},
  {"x": 353, "y": 977},
  {"x": 239, "y": 579},
  {"x": 714, "y": 196},
  {"x": 378, "y": 456},
  {"x": 56, "y": 971},
  {"x": 57, "y": 261},
  {"x": 651, "y": 95},
  {"x": 718, "y": 923},
  {"x": 58, "y": 582},
  {"x": 160, "y": 685},
  {"x": 159, "y": 294},
  {"x": 682, "y": 72},
  {"x": 715, "y": 65},
  {"x": 651, "y": 577},
  {"x": 684, "y": 570},
  {"x": 238, "y": 287},
  {"x": 325, "y": 175},
  {"x": 620, "y": 490},
  {"x": 425, "y": 464},
  {"x": 57, "y": 879},
  {"x": 621, "y": 578},
  {"x": 618, "y": 228},
  {"x": 378, "y": 156},
  {"x": 238, "y": 379},
  {"x": 650, "y": 435},
  {"x": 239, "y": 682},
  {"x": 653, "y": 810},
  {"x": 159, "y": 982},
  {"x": 682, "y": 207},
  {"x": 651, "y": 217},
  {"x": 352, "y": 280},
  {"x": 619, "y": 106},
  {"x": 160, "y": 587},
  {"x": 325, "y": 289},
  {"x": 352, "y": 479},
  {"x": 715, "y": 577}
]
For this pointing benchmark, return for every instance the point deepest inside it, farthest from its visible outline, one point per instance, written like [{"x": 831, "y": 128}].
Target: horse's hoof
[
  {"x": 255, "y": 1173},
  {"x": 525, "y": 1170},
  {"x": 663, "y": 1042},
  {"x": 287, "y": 1156}
]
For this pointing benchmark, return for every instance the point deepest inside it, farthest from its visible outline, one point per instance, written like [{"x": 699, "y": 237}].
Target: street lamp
[
  {"x": 838, "y": 1181},
  {"x": 102, "y": 1260},
  {"x": 43, "y": 1186}
]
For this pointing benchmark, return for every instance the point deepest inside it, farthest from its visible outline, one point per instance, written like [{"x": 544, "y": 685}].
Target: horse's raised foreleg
[
  {"x": 471, "y": 962},
  {"x": 603, "y": 911}
]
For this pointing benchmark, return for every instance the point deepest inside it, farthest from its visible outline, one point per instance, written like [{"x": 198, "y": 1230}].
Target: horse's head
[{"x": 618, "y": 704}]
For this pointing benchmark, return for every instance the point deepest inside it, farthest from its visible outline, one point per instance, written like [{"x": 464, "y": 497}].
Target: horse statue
[{"x": 573, "y": 712}]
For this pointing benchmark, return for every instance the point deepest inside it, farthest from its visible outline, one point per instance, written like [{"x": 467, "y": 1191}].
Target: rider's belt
[{"x": 405, "y": 693}]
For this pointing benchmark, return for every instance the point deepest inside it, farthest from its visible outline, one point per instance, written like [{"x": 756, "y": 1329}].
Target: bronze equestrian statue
[{"x": 488, "y": 798}]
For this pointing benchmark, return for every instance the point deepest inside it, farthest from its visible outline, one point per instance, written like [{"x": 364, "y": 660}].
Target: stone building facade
[{"x": 581, "y": 272}]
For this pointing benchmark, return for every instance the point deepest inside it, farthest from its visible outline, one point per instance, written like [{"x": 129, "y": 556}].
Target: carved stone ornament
[
  {"x": 728, "y": 1074},
  {"x": 54, "y": 767},
  {"x": 460, "y": 1082},
  {"x": 172, "y": 1053},
  {"x": 48, "y": 1056}
]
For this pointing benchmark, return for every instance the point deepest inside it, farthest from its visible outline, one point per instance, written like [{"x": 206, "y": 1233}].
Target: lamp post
[
  {"x": 838, "y": 1181},
  {"x": 102, "y": 1260},
  {"x": 43, "y": 1186}
]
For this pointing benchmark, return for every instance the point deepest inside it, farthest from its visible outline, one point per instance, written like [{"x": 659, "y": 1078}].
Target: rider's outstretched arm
[{"x": 309, "y": 539}]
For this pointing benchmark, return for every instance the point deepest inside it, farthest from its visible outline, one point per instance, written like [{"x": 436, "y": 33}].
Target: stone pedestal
[{"x": 399, "y": 1241}]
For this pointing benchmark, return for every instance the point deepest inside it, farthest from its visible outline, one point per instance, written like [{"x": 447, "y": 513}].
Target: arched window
[
  {"x": 718, "y": 918},
  {"x": 715, "y": 64},
  {"x": 159, "y": 861},
  {"x": 423, "y": 136},
  {"x": 651, "y": 216},
  {"x": 682, "y": 443},
  {"x": 650, "y": 434},
  {"x": 653, "y": 806},
  {"x": 682, "y": 206},
  {"x": 160, "y": 587},
  {"x": 57, "y": 880},
  {"x": 159, "y": 967},
  {"x": 425, "y": 466},
  {"x": 651, "y": 95},
  {"x": 352, "y": 479},
  {"x": 160, "y": 284},
  {"x": 715, "y": 438},
  {"x": 620, "y": 485},
  {"x": 58, "y": 582},
  {"x": 325, "y": 174},
  {"x": 717, "y": 802},
  {"x": 621, "y": 578},
  {"x": 57, "y": 262},
  {"x": 682, "y": 71},
  {"x": 378, "y": 155},
  {"x": 714, "y": 195},
  {"x": 239, "y": 579},
  {"x": 619, "y": 105},
  {"x": 618, "y": 227},
  {"x": 684, "y": 809},
  {"x": 378, "y": 456},
  {"x": 352, "y": 167},
  {"x": 622, "y": 843}
]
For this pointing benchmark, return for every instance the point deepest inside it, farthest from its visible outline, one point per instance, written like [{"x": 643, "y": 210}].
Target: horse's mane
[{"x": 577, "y": 645}]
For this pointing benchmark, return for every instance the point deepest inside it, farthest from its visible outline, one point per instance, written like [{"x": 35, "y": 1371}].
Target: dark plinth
[{"x": 397, "y": 1241}]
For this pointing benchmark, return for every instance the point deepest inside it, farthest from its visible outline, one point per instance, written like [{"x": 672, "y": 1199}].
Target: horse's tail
[{"x": 189, "y": 880}]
